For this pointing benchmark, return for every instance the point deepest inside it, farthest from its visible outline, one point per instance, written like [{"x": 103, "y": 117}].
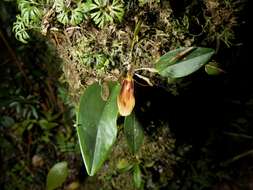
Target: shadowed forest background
[{"x": 197, "y": 130}]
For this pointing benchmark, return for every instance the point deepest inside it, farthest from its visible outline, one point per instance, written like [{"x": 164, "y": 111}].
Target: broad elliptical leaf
[
  {"x": 183, "y": 61},
  {"x": 96, "y": 125}
]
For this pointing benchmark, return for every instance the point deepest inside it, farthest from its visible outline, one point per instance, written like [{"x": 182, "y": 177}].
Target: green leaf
[
  {"x": 57, "y": 175},
  {"x": 183, "y": 61},
  {"x": 137, "y": 176},
  {"x": 79, "y": 14},
  {"x": 76, "y": 17},
  {"x": 63, "y": 18},
  {"x": 133, "y": 132},
  {"x": 97, "y": 128},
  {"x": 19, "y": 29},
  {"x": 59, "y": 6},
  {"x": 7, "y": 121},
  {"x": 137, "y": 29},
  {"x": 105, "y": 12},
  {"x": 123, "y": 165},
  {"x": 213, "y": 69},
  {"x": 47, "y": 125}
]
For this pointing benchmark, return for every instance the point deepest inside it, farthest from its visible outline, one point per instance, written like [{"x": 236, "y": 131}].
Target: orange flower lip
[{"x": 125, "y": 99}]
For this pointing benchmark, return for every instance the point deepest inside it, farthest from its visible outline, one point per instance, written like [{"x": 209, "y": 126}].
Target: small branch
[
  {"x": 14, "y": 57},
  {"x": 72, "y": 28},
  {"x": 144, "y": 78},
  {"x": 235, "y": 158},
  {"x": 238, "y": 135},
  {"x": 152, "y": 70}
]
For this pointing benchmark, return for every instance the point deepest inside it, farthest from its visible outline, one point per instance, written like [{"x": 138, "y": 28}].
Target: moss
[
  {"x": 220, "y": 20},
  {"x": 93, "y": 54},
  {"x": 96, "y": 53}
]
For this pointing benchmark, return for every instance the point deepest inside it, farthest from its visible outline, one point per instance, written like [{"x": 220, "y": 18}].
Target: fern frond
[
  {"x": 105, "y": 11},
  {"x": 31, "y": 15},
  {"x": 63, "y": 18},
  {"x": 22, "y": 4},
  {"x": 29, "y": 11},
  {"x": 59, "y": 6},
  {"x": 79, "y": 14},
  {"x": 117, "y": 10},
  {"x": 19, "y": 29}
]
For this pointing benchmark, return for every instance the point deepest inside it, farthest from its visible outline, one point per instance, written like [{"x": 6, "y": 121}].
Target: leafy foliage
[
  {"x": 57, "y": 175},
  {"x": 105, "y": 11},
  {"x": 96, "y": 121},
  {"x": 213, "y": 69},
  {"x": 30, "y": 13},
  {"x": 29, "y": 18},
  {"x": 25, "y": 107},
  {"x": 133, "y": 132},
  {"x": 69, "y": 15},
  {"x": 19, "y": 29},
  {"x": 137, "y": 176},
  {"x": 107, "y": 50},
  {"x": 123, "y": 165},
  {"x": 33, "y": 15},
  {"x": 78, "y": 14},
  {"x": 62, "y": 17},
  {"x": 97, "y": 112},
  {"x": 183, "y": 61},
  {"x": 30, "y": 122}
]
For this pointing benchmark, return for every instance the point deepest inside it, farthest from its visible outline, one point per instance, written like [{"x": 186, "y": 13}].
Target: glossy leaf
[
  {"x": 133, "y": 132},
  {"x": 137, "y": 176},
  {"x": 183, "y": 61},
  {"x": 213, "y": 69},
  {"x": 96, "y": 121},
  {"x": 57, "y": 175}
]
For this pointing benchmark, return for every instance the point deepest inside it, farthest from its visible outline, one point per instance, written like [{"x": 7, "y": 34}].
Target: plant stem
[
  {"x": 238, "y": 135},
  {"x": 144, "y": 78},
  {"x": 14, "y": 57},
  {"x": 235, "y": 158},
  {"x": 152, "y": 70},
  {"x": 134, "y": 40}
]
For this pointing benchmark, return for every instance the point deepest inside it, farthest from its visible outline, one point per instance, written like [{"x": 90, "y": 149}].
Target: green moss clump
[
  {"x": 97, "y": 40},
  {"x": 100, "y": 54}
]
